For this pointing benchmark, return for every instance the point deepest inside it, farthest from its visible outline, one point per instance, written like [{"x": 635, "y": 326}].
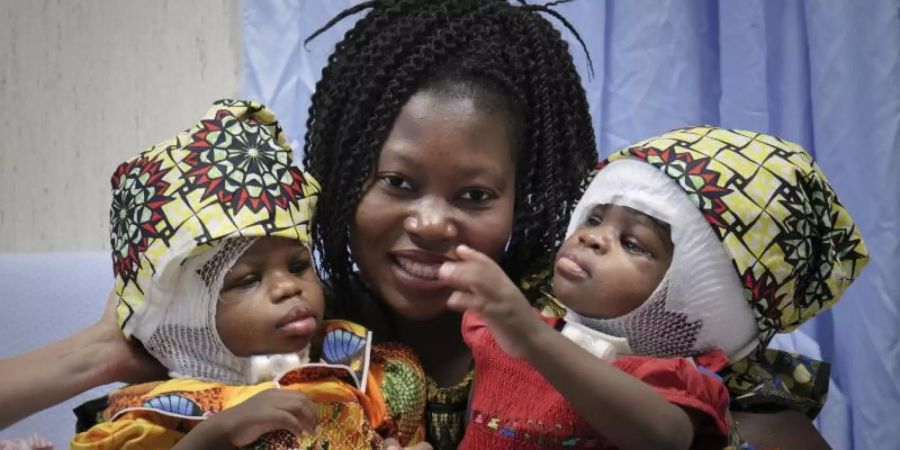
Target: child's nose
[
  {"x": 595, "y": 241},
  {"x": 286, "y": 285}
]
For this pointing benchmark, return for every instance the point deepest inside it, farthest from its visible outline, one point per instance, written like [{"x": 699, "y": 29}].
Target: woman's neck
[{"x": 439, "y": 344}]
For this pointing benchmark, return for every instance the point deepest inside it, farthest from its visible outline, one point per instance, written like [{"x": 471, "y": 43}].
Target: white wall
[{"x": 84, "y": 85}]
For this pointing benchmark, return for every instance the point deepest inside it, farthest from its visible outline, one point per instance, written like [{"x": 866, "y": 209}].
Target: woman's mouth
[
  {"x": 418, "y": 270},
  {"x": 426, "y": 271}
]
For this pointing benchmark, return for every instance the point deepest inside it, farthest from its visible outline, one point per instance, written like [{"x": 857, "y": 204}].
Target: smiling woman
[
  {"x": 437, "y": 124},
  {"x": 445, "y": 175}
]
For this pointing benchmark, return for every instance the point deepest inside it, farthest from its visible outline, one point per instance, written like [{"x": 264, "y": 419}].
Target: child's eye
[
  {"x": 395, "y": 181},
  {"x": 299, "y": 266},
  {"x": 594, "y": 220},
  {"x": 477, "y": 195},
  {"x": 633, "y": 247},
  {"x": 245, "y": 282}
]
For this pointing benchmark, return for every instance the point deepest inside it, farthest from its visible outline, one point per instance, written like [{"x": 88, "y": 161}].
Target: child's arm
[
  {"x": 617, "y": 405},
  {"x": 270, "y": 410},
  {"x": 92, "y": 357}
]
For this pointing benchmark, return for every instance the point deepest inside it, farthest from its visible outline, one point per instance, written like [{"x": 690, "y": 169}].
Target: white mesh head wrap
[
  {"x": 194, "y": 200},
  {"x": 699, "y": 305},
  {"x": 186, "y": 339}
]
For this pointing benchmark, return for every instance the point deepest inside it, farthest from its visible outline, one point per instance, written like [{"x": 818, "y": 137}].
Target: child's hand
[
  {"x": 481, "y": 285},
  {"x": 270, "y": 410},
  {"x": 392, "y": 444}
]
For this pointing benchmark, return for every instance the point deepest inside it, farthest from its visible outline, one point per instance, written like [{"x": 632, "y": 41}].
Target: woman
[{"x": 437, "y": 124}]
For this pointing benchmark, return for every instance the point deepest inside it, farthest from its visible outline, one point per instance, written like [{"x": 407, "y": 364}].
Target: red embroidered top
[{"x": 515, "y": 407}]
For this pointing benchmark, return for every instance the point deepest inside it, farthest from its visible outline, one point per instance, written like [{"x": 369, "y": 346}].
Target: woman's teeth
[{"x": 428, "y": 271}]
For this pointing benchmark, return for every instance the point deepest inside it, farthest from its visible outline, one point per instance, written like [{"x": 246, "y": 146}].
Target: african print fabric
[
  {"x": 230, "y": 175},
  {"x": 158, "y": 414},
  {"x": 698, "y": 304},
  {"x": 445, "y": 412},
  {"x": 776, "y": 378},
  {"x": 792, "y": 243}
]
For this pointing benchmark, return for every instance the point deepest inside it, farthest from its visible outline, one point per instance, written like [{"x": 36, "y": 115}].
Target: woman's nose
[{"x": 431, "y": 220}]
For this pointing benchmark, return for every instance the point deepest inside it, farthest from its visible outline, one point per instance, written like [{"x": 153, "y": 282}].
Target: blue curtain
[{"x": 825, "y": 74}]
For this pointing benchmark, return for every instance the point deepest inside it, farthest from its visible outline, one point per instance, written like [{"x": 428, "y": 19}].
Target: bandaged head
[
  {"x": 183, "y": 211},
  {"x": 786, "y": 248}
]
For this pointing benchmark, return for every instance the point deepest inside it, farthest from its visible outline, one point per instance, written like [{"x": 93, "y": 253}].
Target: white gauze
[
  {"x": 185, "y": 339},
  {"x": 699, "y": 305}
]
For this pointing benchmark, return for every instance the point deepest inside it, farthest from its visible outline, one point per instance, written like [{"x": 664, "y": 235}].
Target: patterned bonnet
[
  {"x": 182, "y": 212},
  {"x": 793, "y": 246}
]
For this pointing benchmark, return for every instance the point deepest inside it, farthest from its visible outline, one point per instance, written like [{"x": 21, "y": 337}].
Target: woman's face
[{"x": 445, "y": 176}]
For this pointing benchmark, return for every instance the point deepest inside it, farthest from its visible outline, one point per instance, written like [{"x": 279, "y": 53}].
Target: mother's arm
[
  {"x": 786, "y": 429},
  {"x": 94, "y": 356}
]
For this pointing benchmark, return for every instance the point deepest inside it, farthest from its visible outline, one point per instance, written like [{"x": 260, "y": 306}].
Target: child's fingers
[
  {"x": 393, "y": 444},
  {"x": 284, "y": 420},
  {"x": 485, "y": 272},
  {"x": 301, "y": 408},
  {"x": 460, "y": 301},
  {"x": 454, "y": 275},
  {"x": 473, "y": 272},
  {"x": 466, "y": 253}
]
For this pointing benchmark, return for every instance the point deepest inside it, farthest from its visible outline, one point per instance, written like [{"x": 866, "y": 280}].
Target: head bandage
[
  {"x": 183, "y": 211},
  {"x": 792, "y": 245},
  {"x": 699, "y": 304}
]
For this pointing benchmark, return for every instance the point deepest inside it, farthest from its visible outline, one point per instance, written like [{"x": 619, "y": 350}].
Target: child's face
[
  {"x": 271, "y": 301},
  {"x": 612, "y": 263},
  {"x": 445, "y": 177}
]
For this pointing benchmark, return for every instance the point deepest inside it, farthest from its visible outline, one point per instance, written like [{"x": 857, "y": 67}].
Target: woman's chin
[{"x": 421, "y": 310}]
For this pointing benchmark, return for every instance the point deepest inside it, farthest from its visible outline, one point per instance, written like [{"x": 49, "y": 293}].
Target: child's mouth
[
  {"x": 298, "y": 321},
  {"x": 569, "y": 267}
]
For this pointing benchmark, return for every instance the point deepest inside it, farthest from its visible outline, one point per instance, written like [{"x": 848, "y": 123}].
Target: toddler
[
  {"x": 688, "y": 250},
  {"x": 216, "y": 280}
]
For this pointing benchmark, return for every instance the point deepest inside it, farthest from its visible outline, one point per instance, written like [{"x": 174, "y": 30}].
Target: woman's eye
[
  {"x": 477, "y": 195},
  {"x": 396, "y": 182}
]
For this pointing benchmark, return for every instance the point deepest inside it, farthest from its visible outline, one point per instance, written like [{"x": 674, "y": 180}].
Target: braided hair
[{"x": 508, "y": 56}]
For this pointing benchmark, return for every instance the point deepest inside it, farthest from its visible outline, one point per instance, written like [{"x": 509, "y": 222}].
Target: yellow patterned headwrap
[
  {"x": 230, "y": 175},
  {"x": 794, "y": 246}
]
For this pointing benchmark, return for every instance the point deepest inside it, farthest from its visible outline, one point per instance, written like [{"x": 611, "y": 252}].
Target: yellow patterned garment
[
  {"x": 794, "y": 246},
  {"x": 228, "y": 176},
  {"x": 792, "y": 243},
  {"x": 156, "y": 415},
  {"x": 445, "y": 413}
]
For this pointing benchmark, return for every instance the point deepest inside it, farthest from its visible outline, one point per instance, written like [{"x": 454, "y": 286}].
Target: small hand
[
  {"x": 480, "y": 285},
  {"x": 270, "y": 410},
  {"x": 393, "y": 444}
]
